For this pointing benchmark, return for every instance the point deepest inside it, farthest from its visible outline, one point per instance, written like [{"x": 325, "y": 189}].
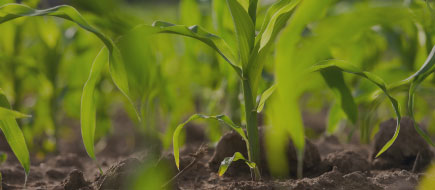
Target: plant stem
[{"x": 251, "y": 126}]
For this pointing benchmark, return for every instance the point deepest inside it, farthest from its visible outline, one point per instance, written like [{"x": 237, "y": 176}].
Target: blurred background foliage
[{"x": 44, "y": 63}]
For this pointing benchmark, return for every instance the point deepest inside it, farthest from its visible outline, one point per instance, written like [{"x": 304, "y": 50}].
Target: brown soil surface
[{"x": 331, "y": 165}]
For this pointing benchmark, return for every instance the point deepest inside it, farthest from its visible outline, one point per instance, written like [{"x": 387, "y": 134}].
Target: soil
[{"x": 329, "y": 164}]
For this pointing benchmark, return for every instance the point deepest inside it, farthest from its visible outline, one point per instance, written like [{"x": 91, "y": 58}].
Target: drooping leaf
[
  {"x": 416, "y": 79},
  {"x": 346, "y": 67},
  {"x": 89, "y": 105},
  {"x": 12, "y": 11},
  {"x": 335, "y": 81},
  {"x": 195, "y": 32},
  {"x": 266, "y": 94},
  {"x": 245, "y": 30},
  {"x": 14, "y": 135},
  {"x": 228, "y": 160},
  {"x": 222, "y": 118}
]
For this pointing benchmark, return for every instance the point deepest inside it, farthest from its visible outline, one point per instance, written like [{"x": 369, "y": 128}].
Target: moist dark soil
[{"x": 329, "y": 164}]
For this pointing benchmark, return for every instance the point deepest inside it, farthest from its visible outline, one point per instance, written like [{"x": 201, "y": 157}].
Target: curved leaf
[
  {"x": 88, "y": 110},
  {"x": 228, "y": 160},
  {"x": 14, "y": 135},
  {"x": 266, "y": 94},
  {"x": 345, "y": 67},
  {"x": 195, "y": 32},
  {"x": 276, "y": 18},
  {"x": 222, "y": 118},
  {"x": 416, "y": 79},
  {"x": 117, "y": 70}
]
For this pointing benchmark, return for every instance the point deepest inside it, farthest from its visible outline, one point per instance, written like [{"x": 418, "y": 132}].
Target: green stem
[{"x": 251, "y": 126}]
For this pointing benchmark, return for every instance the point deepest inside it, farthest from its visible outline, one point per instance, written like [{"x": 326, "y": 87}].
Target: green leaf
[
  {"x": 12, "y": 11},
  {"x": 14, "y": 135},
  {"x": 335, "y": 81},
  {"x": 274, "y": 22},
  {"x": 89, "y": 105},
  {"x": 245, "y": 30},
  {"x": 416, "y": 79},
  {"x": 276, "y": 18},
  {"x": 266, "y": 94},
  {"x": 8, "y": 113},
  {"x": 195, "y": 32},
  {"x": 346, "y": 67},
  {"x": 228, "y": 160},
  {"x": 222, "y": 118}
]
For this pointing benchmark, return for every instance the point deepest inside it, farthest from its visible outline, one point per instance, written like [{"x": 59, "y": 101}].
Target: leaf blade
[{"x": 14, "y": 136}]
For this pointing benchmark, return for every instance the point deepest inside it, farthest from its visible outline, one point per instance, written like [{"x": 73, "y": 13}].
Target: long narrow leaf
[
  {"x": 276, "y": 17},
  {"x": 195, "y": 32},
  {"x": 345, "y": 67},
  {"x": 222, "y": 118},
  {"x": 266, "y": 94},
  {"x": 8, "y": 113},
  {"x": 416, "y": 79},
  {"x": 12, "y": 11},
  {"x": 245, "y": 30},
  {"x": 14, "y": 136},
  {"x": 89, "y": 108}
]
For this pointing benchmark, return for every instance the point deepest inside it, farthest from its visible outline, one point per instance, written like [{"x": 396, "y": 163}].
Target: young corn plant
[{"x": 247, "y": 59}]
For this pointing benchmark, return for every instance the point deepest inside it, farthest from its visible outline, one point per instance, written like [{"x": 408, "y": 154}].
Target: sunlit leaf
[
  {"x": 245, "y": 30},
  {"x": 7, "y": 113},
  {"x": 14, "y": 135},
  {"x": 222, "y": 118}
]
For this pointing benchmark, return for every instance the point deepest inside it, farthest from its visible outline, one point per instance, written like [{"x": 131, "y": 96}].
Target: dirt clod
[
  {"x": 403, "y": 153},
  {"x": 232, "y": 142},
  {"x": 75, "y": 181},
  {"x": 348, "y": 161},
  {"x": 117, "y": 174},
  {"x": 55, "y": 174}
]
